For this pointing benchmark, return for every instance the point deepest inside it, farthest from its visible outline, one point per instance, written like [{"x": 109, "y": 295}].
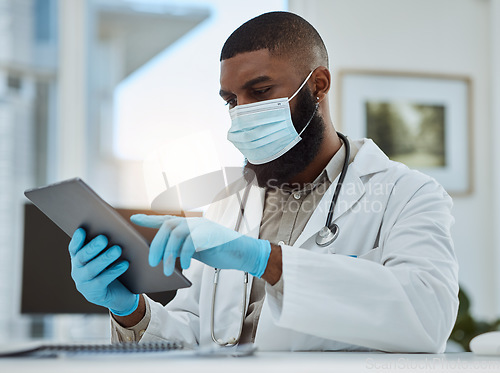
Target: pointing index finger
[{"x": 150, "y": 221}]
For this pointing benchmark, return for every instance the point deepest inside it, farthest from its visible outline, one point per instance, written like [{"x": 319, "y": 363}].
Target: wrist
[
  {"x": 129, "y": 310},
  {"x": 135, "y": 317},
  {"x": 274, "y": 269},
  {"x": 264, "y": 251}
]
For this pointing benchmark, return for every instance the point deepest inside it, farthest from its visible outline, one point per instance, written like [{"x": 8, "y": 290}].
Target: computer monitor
[{"x": 47, "y": 286}]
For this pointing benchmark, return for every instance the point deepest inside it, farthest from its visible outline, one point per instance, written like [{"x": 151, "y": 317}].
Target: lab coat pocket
[{"x": 373, "y": 255}]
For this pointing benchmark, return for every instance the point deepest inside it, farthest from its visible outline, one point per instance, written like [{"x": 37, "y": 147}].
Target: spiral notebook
[
  {"x": 54, "y": 349},
  {"x": 164, "y": 348}
]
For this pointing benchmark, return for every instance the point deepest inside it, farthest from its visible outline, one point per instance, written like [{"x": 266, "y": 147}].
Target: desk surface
[{"x": 261, "y": 362}]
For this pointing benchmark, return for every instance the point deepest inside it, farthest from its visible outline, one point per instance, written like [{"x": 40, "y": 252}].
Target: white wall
[
  {"x": 434, "y": 36},
  {"x": 495, "y": 122}
]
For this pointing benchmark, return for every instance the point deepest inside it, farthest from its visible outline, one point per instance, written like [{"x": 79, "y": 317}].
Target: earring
[{"x": 317, "y": 98}]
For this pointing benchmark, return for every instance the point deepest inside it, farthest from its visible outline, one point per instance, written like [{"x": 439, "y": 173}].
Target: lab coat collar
[
  {"x": 370, "y": 152},
  {"x": 334, "y": 167},
  {"x": 369, "y": 160}
]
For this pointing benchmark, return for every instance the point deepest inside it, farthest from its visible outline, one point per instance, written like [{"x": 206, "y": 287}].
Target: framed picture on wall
[{"x": 421, "y": 120}]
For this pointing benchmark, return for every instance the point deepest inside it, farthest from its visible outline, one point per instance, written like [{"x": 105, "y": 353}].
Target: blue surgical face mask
[{"x": 263, "y": 131}]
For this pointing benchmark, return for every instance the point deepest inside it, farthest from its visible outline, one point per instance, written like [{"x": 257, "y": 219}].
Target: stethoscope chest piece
[{"x": 327, "y": 235}]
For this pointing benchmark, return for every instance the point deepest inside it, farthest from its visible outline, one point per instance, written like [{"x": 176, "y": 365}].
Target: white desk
[{"x": 276, "y": 362}]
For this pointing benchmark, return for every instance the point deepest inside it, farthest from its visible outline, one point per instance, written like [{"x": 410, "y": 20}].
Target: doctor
[{"x": 382, "y": 274}]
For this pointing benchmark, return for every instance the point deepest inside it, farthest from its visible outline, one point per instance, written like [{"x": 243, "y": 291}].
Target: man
[{"x": 387, "y": 282}]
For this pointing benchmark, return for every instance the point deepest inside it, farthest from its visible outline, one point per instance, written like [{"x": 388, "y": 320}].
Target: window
[{"x": 169, "y": 113}]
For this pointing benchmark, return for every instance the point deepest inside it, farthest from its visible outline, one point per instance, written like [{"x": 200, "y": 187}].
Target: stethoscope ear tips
[{"x": 327, "y": 235}]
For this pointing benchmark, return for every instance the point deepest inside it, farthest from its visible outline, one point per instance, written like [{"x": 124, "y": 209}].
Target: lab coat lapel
[
  {"x": 254, "y": 207},
  {"x": 352, "y": 190},
  {"x": 229, "y": 211},
  {"x": 370, "y": 159}
]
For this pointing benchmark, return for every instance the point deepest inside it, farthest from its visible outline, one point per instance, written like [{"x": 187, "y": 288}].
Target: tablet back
[{"x": 72, "y": 204}]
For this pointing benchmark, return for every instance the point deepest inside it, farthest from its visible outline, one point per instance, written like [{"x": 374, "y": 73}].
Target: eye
[
  {"x": 231, "y": 102},
  {"x": 261, "y": 91}
]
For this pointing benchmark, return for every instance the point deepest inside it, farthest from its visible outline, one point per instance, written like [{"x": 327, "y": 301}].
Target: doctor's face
[{"x": 257, "y": 76}]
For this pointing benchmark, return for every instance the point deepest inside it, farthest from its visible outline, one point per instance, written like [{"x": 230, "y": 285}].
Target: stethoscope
[
  {"x": 326, "y": 235},
  {"x": 329, "y": 232},
  {"x": 232, "y": 341}
]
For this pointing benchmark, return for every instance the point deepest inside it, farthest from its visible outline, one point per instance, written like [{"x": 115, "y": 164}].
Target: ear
[{"x": 321, "y": 80}]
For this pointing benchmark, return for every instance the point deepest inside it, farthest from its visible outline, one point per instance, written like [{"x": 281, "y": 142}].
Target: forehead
[{"x": 249, "y": 65}]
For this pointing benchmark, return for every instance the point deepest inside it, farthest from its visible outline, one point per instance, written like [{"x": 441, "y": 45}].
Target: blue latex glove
[
  {"x": 204, "y": 240},
  {"x": 95, "y": 280}
]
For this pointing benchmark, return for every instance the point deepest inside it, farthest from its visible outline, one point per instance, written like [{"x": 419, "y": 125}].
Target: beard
[{"x": 280, "y": 171}]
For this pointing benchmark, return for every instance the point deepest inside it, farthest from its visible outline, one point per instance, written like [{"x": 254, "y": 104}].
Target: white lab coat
[{"x": 399, "y": 294}]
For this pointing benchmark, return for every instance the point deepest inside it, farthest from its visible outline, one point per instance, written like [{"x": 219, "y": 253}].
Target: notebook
[
  {"x": 37, "y": 349},
  {"x": 163, "y": 348}
]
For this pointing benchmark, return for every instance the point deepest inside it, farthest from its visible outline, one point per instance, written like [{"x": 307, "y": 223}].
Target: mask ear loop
[
  {"x": 315, "y": 109},
  {"x": 310, "y": 119},
  {"x": 301, "y": 86}
]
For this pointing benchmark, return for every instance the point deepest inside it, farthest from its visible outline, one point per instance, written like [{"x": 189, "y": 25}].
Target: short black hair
[{"x": 284, "y": 34}]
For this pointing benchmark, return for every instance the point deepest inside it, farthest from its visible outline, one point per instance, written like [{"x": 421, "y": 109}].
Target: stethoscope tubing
[
  {"x": 329, "y": 217},
  {"x": 233, "y": 341},
  {"x": 329, "y": 233},
  {"x": 328, "y": 225}
]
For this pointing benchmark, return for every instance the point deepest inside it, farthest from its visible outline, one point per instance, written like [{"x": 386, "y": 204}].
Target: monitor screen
[{"x": 47, "y": 286}]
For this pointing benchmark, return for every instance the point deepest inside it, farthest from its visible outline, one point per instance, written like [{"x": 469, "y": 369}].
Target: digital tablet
[{"x": 71, "y": 204}]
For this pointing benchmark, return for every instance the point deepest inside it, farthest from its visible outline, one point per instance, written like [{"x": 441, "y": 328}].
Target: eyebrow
[{"x": 257, "y": 80}]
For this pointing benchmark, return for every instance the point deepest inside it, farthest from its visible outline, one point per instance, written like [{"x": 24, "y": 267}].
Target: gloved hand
[
  {"x": 204, "y": 240},
  {"x": 98, "y": 283}
]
